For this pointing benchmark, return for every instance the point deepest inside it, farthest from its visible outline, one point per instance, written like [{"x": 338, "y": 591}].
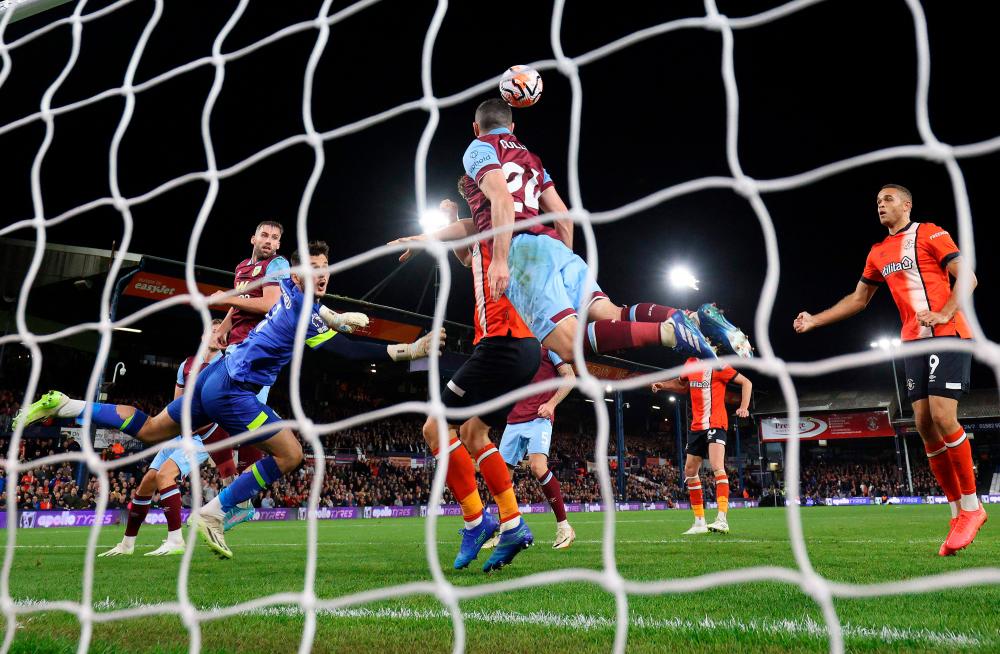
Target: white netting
[{"x": 814, "y": 585}]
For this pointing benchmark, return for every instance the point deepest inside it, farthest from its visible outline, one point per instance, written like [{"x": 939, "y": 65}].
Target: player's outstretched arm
[
  {"x": 453, "y": 232},
  {"x": 847, "y": 307},
  {"x": 947, "y": 312},
  {"x": 345, "y": 322},
  {"x": 548, "y": 409},
  {"x": 419, "y": 348},
  {"x": 463, "y": 253},
  {"x": 746, "y": 390},
  {"x": 259, "y": 305},
  {"x": 675, "y": 385},
  {"x": 551, "y": 202}
]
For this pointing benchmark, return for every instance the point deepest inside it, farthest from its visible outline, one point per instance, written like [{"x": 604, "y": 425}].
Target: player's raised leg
[
  {"x": 128, "y": 419},
  {"x": 514, "y": 533},
  {"x": 138, "y": 508},
  {"x": 479, "y": 526}
]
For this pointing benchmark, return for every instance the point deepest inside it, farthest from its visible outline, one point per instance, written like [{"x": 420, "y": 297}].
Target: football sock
[
  {"x": 497, "y": 477},
  {"x": 106, "y": 415},
  {"x": 605, "y": 336},
  {"x": 647, "y": 312},
  {"x": 553, "y": 493},
  {"x": 170, "y": 502},
  {"x": 137, "y": 510},
  {"x": 257, "y": 477},
  {"x": 960, "y": 455},
  {"x": 697, "y": 499},
  {"x": 461, "y": 481},
  {"x": 940, "y": 463},
  {"x": 722, "y": 491},
  {"x": 248, "y": 455}
]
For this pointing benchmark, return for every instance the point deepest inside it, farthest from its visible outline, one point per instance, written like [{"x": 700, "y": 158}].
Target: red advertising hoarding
[{"x": 829, "y": 425}]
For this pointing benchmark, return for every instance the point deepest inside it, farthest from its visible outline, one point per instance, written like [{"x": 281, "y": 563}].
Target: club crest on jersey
[
  {"x": 318, "y": 323},
  {"x": 905, "y": 264},
  {"x": 255, "y": 271}
]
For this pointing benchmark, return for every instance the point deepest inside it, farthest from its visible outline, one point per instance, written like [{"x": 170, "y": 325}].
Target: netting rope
[{"x": 820, "y": 589}]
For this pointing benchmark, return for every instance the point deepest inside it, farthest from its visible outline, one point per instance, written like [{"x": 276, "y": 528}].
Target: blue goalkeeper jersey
[{"x": 268, "y": 348}]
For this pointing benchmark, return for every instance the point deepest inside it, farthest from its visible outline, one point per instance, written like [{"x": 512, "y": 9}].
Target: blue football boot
[
  {"x": 238, "y": 515},
  {"x": 690, "y": 341},
  {"x": 473, "y": 540},
  {"x": 725, "y": 334},
  {"x": 511, "y": 543}
]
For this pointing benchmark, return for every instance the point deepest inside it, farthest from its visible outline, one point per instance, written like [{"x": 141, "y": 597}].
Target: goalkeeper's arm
[{"x": 354, "y": 350}]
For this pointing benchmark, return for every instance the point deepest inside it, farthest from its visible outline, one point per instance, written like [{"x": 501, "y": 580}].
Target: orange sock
[
  {"x": 960, "y": 455},
  {"x": 722, "y": 490},
  {"x": 940, "y": 462},
  {"x": 461, "y": 480},
  {"x": 497, "y": 477},
  {"x": 697, "y": 499}
]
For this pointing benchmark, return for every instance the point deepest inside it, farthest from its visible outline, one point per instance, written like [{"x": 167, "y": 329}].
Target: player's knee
[
  {"x": 539, "y": 467},
  {"x": 165, "y": 478},
  {"x": 473, "y": 436},
  {"x": 431, "y": 432}
]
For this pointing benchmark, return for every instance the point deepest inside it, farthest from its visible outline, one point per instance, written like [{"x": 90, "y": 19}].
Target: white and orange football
[{"x": 521, "y": 86}]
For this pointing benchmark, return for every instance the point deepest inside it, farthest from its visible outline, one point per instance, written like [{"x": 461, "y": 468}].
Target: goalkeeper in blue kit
[{"x": 226, "y": 391}]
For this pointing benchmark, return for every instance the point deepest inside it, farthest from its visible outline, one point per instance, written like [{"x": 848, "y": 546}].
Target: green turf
[{"x": 858, "y": 545}]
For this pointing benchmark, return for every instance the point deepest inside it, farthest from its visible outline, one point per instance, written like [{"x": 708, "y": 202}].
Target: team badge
[{"x": 255, "y": 271}]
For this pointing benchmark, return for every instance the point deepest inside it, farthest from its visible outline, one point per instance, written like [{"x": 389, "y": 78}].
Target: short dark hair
[
  {"x": 461, "y": 187},
  {"x": 315, "y": 248},
  {"x": 216, "y": 322},
  {"x": 902, "y": 190},
  {"x": 493, "y": 113},
  {"x": 270, "y": 223}
]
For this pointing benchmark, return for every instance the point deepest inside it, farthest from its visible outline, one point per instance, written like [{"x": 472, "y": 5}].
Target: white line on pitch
[{"x": 586, "y": 622}]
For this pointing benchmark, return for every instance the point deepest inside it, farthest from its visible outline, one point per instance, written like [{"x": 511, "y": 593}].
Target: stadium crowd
[{"x": 363, "y": 468}]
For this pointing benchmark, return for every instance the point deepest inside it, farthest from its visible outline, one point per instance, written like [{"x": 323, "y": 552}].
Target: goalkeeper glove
[
  {"x": 418, "y": 349},
  {"x": 343, "y": 322}
]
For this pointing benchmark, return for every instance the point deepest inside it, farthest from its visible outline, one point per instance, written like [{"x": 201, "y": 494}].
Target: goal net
[{"x": 45, "y": 121}]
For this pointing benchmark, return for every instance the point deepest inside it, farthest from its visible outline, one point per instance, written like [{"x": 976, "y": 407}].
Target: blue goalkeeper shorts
[
  {"x": 532, "y": 437},
  {"x": 232, "y": 404},
  {"x": 547, "y": 282}
]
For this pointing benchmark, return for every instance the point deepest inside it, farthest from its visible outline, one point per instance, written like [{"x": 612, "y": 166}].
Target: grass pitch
[{"x": 848, "y": 544}]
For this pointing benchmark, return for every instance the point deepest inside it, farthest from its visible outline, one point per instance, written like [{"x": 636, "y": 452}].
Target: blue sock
[
  {"x": 253, "y": 480},
  {"x": 106, "y": 415}
]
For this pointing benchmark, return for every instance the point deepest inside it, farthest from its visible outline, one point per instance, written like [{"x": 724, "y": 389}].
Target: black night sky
[{"x": 832, "y": 81}]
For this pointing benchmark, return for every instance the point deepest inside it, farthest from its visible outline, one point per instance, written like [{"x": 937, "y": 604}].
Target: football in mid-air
[{"x": 521, "y": 86}]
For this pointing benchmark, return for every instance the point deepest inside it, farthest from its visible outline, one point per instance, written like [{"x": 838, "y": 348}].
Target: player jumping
[
  {"x": 529, "y": 431},
  {"x": 162, "y": 475},
  {"x": 915, "y": 261},
  {"x": 707, "y": 437},
  {"x": 226, "y": 391},
  {"x": 537, "y": 269},
  {"x": 245, "y": 311}
]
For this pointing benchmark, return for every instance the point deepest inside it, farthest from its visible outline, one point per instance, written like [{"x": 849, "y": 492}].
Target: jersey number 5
[{"x": 517, "y": 176}]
